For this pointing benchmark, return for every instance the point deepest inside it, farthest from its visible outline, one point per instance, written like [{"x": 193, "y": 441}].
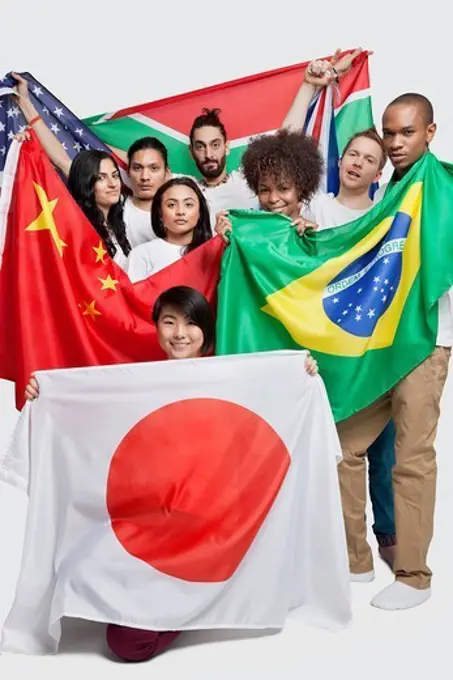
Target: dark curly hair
[
  {"x": 202, "y": 231},
  {"x": 82, "y": 178},
  {"x": 284, "y": 155}
]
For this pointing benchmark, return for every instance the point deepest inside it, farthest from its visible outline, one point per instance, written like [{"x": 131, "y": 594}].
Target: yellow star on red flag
[
  {"x": 100, "y": 252},
  {"x": 45, "y": 220},
  {"x": 90, "y": 309},
  {"x": 108, "y": 283}
]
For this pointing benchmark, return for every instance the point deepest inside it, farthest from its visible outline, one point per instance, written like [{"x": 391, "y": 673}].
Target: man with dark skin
[{"x": 408, "y": 128}]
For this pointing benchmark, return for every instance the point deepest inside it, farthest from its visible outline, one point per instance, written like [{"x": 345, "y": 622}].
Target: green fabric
[{"x": 267, "y": 255}]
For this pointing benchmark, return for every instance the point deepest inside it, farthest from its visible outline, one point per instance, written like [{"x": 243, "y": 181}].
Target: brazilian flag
[{"x": 362, "y": 296}]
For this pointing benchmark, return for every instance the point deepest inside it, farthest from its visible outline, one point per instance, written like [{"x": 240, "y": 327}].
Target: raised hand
[{"x": 21, "y": 87}]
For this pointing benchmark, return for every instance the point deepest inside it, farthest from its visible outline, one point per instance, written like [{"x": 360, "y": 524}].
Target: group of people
[{"x": 163, "y": 217}]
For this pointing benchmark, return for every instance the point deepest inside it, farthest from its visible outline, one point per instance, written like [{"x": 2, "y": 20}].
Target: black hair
[
  {"x": 419, "y": 100},
  {"x": 285, "y": 154},
  {"x": 82, "y": 178},
  {"x": 192, "y": 304},
  {"x": 209, "y": 117},
  {"x": 202, "y": 231},
  {"x": 148, "y": 143}
]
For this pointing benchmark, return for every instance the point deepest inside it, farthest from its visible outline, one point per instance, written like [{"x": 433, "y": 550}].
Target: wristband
[{"x": 34, "y": 120}]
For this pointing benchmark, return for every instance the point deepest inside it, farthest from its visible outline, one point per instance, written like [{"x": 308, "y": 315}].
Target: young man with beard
[
  {"x": 209, "y": 148},
  {"x": 408, "y": 128}
]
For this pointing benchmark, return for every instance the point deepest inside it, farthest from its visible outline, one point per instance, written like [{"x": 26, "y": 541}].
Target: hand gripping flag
[
  {"x": 361, "y": 296},
  {"x": 253, "y": 105},
  {"x": 70, "y": 131},
  {"x": 179, "y": 495},
  {"x": 63, "y": 301}
]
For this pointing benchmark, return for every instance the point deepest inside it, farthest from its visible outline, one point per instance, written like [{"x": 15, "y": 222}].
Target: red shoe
[{"x": 136, "y": 644}]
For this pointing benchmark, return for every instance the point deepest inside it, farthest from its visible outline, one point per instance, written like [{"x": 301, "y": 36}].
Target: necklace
[{"x": 204, "y": 184}]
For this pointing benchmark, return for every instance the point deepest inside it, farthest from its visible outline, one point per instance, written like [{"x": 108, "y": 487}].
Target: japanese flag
[{"x": 178, "y": 495}]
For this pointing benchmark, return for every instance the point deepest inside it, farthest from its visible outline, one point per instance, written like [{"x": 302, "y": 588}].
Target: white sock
[
  {"x": 400, "y": 596},
  {"x": 366, "y": 577}
]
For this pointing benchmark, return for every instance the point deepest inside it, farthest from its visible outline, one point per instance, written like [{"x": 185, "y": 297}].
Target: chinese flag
[{"x": 63, "y": 301}]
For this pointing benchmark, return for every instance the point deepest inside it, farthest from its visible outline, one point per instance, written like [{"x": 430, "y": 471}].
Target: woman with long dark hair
[
  {"x": 95, "y": 183},
  {"x": 180, "y": 220}
]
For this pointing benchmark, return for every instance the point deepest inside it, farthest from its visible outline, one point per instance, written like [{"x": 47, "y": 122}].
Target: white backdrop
[{"x": 99, "y": 56}]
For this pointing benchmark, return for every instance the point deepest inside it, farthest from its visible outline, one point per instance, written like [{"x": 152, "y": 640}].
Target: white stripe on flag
[
  {"x": 314, "y": 115},
  {"x": 9, "y": 175},
  {"x": 354, "y": 97},
  {"x": 154, "y": 124}
]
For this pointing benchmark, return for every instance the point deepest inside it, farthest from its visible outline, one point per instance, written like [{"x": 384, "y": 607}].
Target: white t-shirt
[
  {"x": 327, "y": 211},
  {"x": 149, "y": 258},
  {"x": 234, "y": 193},
  {"x": 119, "y": 258},
  {"x": 138, "y": 224},
  {"x": 445, "y": 325}
]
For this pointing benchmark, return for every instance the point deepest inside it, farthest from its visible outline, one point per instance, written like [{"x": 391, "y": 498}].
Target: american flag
[
  {"x": 71, "y": 132},
  {"x": 356, "y": 299}
]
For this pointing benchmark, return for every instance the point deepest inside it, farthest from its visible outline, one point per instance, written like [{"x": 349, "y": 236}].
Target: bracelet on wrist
[{"x": 34, "y": 120}]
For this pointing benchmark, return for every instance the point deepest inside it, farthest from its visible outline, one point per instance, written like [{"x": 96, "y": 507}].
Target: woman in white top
[{"x": 180, "y": 220}]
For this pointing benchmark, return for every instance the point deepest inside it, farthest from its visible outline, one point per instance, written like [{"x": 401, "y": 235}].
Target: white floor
[{"x": 409, "y": 645}]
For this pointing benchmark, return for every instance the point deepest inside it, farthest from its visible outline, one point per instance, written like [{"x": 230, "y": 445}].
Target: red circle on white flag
[{"x": 191, "y": 484}]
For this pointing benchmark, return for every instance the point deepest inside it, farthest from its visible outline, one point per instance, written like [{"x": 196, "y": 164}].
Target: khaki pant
[{"x": 414, "y": 404}]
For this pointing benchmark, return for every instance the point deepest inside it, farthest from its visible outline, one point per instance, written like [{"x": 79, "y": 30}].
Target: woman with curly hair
[{"x": 284, "y": 170}]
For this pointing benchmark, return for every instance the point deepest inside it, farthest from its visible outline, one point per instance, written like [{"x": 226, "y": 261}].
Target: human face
[
  {"x": 209, "y": 151},
  {"x": 406, "y": 135},
  {"x": 180, "y": 214},
  {"x": 107, "y": 188},
  {"x": 279, "y": 196},
  {"x": 147, "y": 173},
  {"x": 359, "y": 166},
  {"x": 179, "y": 337}
]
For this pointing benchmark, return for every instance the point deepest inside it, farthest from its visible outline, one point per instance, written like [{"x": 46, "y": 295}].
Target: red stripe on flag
[{"x": 317, "y": 127}]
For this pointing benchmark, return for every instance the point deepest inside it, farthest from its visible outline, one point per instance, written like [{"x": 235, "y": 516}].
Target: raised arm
[
  {"x": 50, "y": 143},
  {"x": 318, "y": 74}
]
